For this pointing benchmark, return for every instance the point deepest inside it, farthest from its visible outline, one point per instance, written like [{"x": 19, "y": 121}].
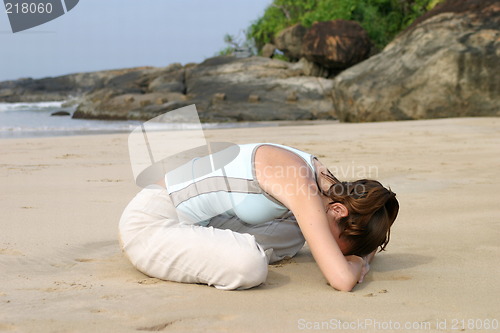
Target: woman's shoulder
[
  {"x": 277, "y": 154},
  {"x": 275, "y": 164}
]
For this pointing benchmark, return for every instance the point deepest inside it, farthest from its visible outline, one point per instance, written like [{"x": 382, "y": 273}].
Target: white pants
[{"x": 228, "y": 253}]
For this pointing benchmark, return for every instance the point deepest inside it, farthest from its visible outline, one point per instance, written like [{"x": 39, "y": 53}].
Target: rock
[
  {"x": 60, "y": 113},
  {"x": 456, "y": 6},
  {"x": 133, "y": 90},
  {"x": 223, "y": 89},
  {"x": 289, "y": 41},
  {"x": 151, "y": 111},
  {"x": 444, "y": 66},
  {"x": 161, "y": 100},
  {"x": 107, "y": 104},
  {"x": 174, "y": 97},
  {"x": 336, "y": 45},
  {"x": 292, "y": 97},
  {"x": 72, "y": 102},
  {"x": 171, "y": 79},
  {"x": 58, "y": 88},
  {"x": 133, "y": 82},
  {"x": 129, "y": 99},
  {"x": 219, "y": 97},
  {"x": 31, "y": 90},
  {"x": 269, "y": 79},
  {"x": 144, "y": 103},
  {"x": 253, "y": 98},
  {"x": 312, "y": 69},
  {"x": 268, "y": 50}
]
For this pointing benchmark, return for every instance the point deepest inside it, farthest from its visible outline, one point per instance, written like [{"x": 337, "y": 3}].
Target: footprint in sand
[
  {"x": 11, "y": 252},
  {"x": 85, "y": 260},
  {"x": 156, "y": 328},
  {"x": 383, "y": 291},
  {"x": 149, "y": 281}
]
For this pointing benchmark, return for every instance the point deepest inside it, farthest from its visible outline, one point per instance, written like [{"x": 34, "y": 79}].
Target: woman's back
[{"x": 200, "y": 190}]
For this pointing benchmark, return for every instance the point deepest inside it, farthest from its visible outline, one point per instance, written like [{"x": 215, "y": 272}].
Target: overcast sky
[{"x": 109, "y": 34}]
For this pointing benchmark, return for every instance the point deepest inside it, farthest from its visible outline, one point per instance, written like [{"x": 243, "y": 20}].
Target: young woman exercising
[{"x": 222, "y": 227}]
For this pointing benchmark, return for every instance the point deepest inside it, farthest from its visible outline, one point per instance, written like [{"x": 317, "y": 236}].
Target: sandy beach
[{"x": 61, "y": 268}]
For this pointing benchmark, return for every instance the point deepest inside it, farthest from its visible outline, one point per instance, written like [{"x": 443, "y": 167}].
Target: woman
[{"x": 223, "y": 226}]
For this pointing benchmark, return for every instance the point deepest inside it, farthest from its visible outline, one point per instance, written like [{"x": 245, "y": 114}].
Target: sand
[{"x": 61, "y": 268}]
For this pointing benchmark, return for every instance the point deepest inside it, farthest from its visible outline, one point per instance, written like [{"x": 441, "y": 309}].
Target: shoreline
[
  {"x": 42, "y": 133},
  {"x": 61, "y": 199}
]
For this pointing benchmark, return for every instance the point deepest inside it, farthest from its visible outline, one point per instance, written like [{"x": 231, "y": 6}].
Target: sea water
[
  {"x": 21, "y": 120},
  {"x": 25, "y": 120}
]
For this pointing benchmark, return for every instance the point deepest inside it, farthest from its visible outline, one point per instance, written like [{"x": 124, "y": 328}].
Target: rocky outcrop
[
  {"x": 444, "y": 66},
  {"x": 223, "y": 89},
  {"x": 336, "y": 45},
  {"x": 136, "y": 94},
  {"x": 256, "y": 88},
  {"x": 57, "y": 88}
]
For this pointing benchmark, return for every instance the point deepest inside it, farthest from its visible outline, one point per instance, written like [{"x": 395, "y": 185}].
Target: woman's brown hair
[{"x": 372, "y": 210}]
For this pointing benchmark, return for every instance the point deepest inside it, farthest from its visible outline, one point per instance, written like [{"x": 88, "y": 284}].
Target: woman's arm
[
  {"x": 341, "y": 272},
  {"x": 298, "y": 191}
]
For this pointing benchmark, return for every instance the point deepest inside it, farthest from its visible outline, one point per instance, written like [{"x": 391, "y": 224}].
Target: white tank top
[{"x": 201, "y": 190}]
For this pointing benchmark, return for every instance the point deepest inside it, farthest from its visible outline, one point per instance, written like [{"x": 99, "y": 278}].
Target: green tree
[
  {"x": 279, "y": 15},
  {"x": 382, "y": 19}
]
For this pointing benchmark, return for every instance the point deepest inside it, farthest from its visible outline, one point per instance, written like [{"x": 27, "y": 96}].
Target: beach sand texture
[{"x": 61, "y": 268}]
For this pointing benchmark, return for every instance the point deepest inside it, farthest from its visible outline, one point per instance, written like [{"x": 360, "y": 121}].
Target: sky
[{"x": 109, "y": 34}]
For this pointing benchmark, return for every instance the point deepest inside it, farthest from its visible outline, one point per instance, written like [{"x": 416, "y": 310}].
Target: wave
[
  {"x": 38, "y": 106},
  {"x": 62, "y": 129}
]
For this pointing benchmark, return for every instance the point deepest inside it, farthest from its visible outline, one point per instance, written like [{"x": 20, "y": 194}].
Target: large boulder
[
  {"x": 289, "y": 41},
  {"x": 256, "y": 88},
  {"x": 446, "y": 65},
  {"x": 337, "y": 44},
  {"x": 126, "y": 94}
]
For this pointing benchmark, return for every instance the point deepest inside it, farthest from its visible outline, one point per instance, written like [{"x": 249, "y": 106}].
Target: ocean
[
  {"x": 25, "y": 120},
  {"x": 28, "y": 120}
]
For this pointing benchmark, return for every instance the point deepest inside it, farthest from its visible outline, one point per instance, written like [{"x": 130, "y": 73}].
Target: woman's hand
[
  {"x": 365, "y": 270},
  {"x": 363, "y": 262}
]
